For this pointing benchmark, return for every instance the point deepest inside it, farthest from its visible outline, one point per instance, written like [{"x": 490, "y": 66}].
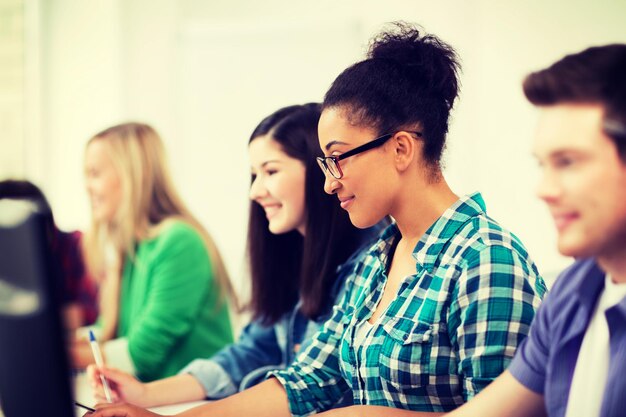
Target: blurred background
[{"x": 205, "y": 72}]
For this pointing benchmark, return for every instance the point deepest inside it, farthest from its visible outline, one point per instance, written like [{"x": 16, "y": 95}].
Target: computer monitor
[{"x": 34, "y": 371}]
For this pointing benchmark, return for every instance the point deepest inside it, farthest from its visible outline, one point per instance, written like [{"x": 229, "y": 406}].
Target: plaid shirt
[{"x": 452, "y": 328}]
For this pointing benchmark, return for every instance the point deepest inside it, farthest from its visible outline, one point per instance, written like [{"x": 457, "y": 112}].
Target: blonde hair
[{"x": 149, "y": 201}]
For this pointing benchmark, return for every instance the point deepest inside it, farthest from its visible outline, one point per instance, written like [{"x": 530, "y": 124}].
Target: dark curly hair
[{"x": 408, "y": 79}]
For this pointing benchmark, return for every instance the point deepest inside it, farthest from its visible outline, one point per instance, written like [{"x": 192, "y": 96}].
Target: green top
[{"x": 170, "y": 309}]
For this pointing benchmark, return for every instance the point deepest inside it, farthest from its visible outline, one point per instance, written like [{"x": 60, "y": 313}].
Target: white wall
[
  {"x": 12, "y": 95},
  {"x": 205, "y": 72}
]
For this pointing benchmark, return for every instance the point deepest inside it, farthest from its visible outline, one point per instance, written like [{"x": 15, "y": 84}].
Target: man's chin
[{"x": 575, "y": 250}]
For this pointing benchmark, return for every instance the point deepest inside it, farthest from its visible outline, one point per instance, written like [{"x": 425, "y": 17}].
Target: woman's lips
[
  {"x": 271, "y": 210},
  {"x": 346, "y": 202}
]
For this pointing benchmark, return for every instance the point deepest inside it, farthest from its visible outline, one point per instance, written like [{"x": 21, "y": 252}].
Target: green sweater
[{"x": 169, "y": 308}]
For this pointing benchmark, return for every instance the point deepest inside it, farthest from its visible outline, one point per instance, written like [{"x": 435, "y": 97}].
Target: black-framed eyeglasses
[{"x": 330, "y": 164}]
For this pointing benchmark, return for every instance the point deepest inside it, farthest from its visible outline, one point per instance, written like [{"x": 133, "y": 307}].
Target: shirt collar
[
  {"x": 591, "y": 284},
  {"x": 432, "y": 243},
  {"x": 382, "y": 248}
]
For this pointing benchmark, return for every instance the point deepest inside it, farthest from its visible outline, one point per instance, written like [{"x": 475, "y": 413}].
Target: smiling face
[
  {"x": 369, "y": 180},
  {"x": 104, "y": 185},
  {"x": 278, "y": 182},
  {"x": 583, "y": 181}
]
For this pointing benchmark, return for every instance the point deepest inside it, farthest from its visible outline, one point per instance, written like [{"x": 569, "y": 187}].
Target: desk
[{"x": 84, "y": 395}]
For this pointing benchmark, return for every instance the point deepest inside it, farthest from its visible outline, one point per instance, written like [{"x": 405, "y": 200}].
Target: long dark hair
[
  {"x": 288, "y": 267},
  {"x": 407, "y": 78}
]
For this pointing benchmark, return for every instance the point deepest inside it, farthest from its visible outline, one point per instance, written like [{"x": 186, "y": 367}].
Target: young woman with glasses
[
  {"x": 300, "y": 247},
  {"x": 436, "y": 308}
]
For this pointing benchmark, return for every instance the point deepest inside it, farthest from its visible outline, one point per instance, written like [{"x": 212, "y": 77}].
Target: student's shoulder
[
  {"x": 564, "y": 298},
  {"x": 477, "y": 235},
  {"x": 572, "y": 277},
  {"x": 175, "y": 233},
  {"x": 482, "y": 233}
]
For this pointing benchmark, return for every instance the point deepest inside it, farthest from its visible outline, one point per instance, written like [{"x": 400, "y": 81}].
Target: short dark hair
[
  {"x": 595, "y": 75},
  {"x": 407, "y": 78},
  {"x": 288, "y": 267}
]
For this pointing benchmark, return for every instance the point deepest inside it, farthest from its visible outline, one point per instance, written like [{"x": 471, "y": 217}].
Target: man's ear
[{"x": 406, "y": 149}]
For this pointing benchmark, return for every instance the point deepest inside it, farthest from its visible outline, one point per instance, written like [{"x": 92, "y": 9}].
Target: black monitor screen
[{"x": 34, "y": 372}]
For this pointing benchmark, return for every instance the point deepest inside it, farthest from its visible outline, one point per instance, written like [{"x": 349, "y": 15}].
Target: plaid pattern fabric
[{"x": 452, "y": 328}]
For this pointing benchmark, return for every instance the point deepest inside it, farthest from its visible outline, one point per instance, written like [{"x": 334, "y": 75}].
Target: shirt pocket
[{"x": 405, "y": 355}]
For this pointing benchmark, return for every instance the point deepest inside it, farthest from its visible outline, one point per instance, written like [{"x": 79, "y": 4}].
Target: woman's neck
[{"x": 419, "y": 205}]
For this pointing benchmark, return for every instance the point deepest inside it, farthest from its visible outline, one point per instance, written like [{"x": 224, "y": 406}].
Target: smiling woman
[
  {"x": 288, "y": 203},
  {"x": 164, "y": 289},
  {"x": 103, "y": 182},
  {"x": 277, "y": 185}
]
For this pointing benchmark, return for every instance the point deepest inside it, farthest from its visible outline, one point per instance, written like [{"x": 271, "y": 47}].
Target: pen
[
  {"x": 99, "y": 363},
  {"x": 84, "y": 406}
]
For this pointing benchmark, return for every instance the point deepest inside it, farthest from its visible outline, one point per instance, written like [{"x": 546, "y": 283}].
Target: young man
[{"x": 573, "y": 362}]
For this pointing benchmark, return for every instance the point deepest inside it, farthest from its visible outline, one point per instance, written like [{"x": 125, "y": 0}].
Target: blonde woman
[{"x": 164, "y": 287}]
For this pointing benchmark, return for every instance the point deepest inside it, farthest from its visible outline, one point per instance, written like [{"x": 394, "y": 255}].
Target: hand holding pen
[
  {"x": 123, "y": 386},
  {"x": 99, "y": 363}
]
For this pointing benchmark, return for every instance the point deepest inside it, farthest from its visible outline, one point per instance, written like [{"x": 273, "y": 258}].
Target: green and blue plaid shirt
[{"x": 452, "y": 328}]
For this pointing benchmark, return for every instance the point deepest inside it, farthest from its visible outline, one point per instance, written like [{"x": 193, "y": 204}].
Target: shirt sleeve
[
  {"x": 529, "y": 364},
  {"x": 492, "y": 307},
  {"x": 314, "y": 382},
  {"x": 223, "y": 374},
  {"x": 180, "y": 274}
]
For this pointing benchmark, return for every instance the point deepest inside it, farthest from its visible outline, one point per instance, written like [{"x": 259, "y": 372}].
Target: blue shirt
[
  {"x": 452, "y": 328},
  {"x": 546, "y": 360},
  {"x": 262, "y": 348}
]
